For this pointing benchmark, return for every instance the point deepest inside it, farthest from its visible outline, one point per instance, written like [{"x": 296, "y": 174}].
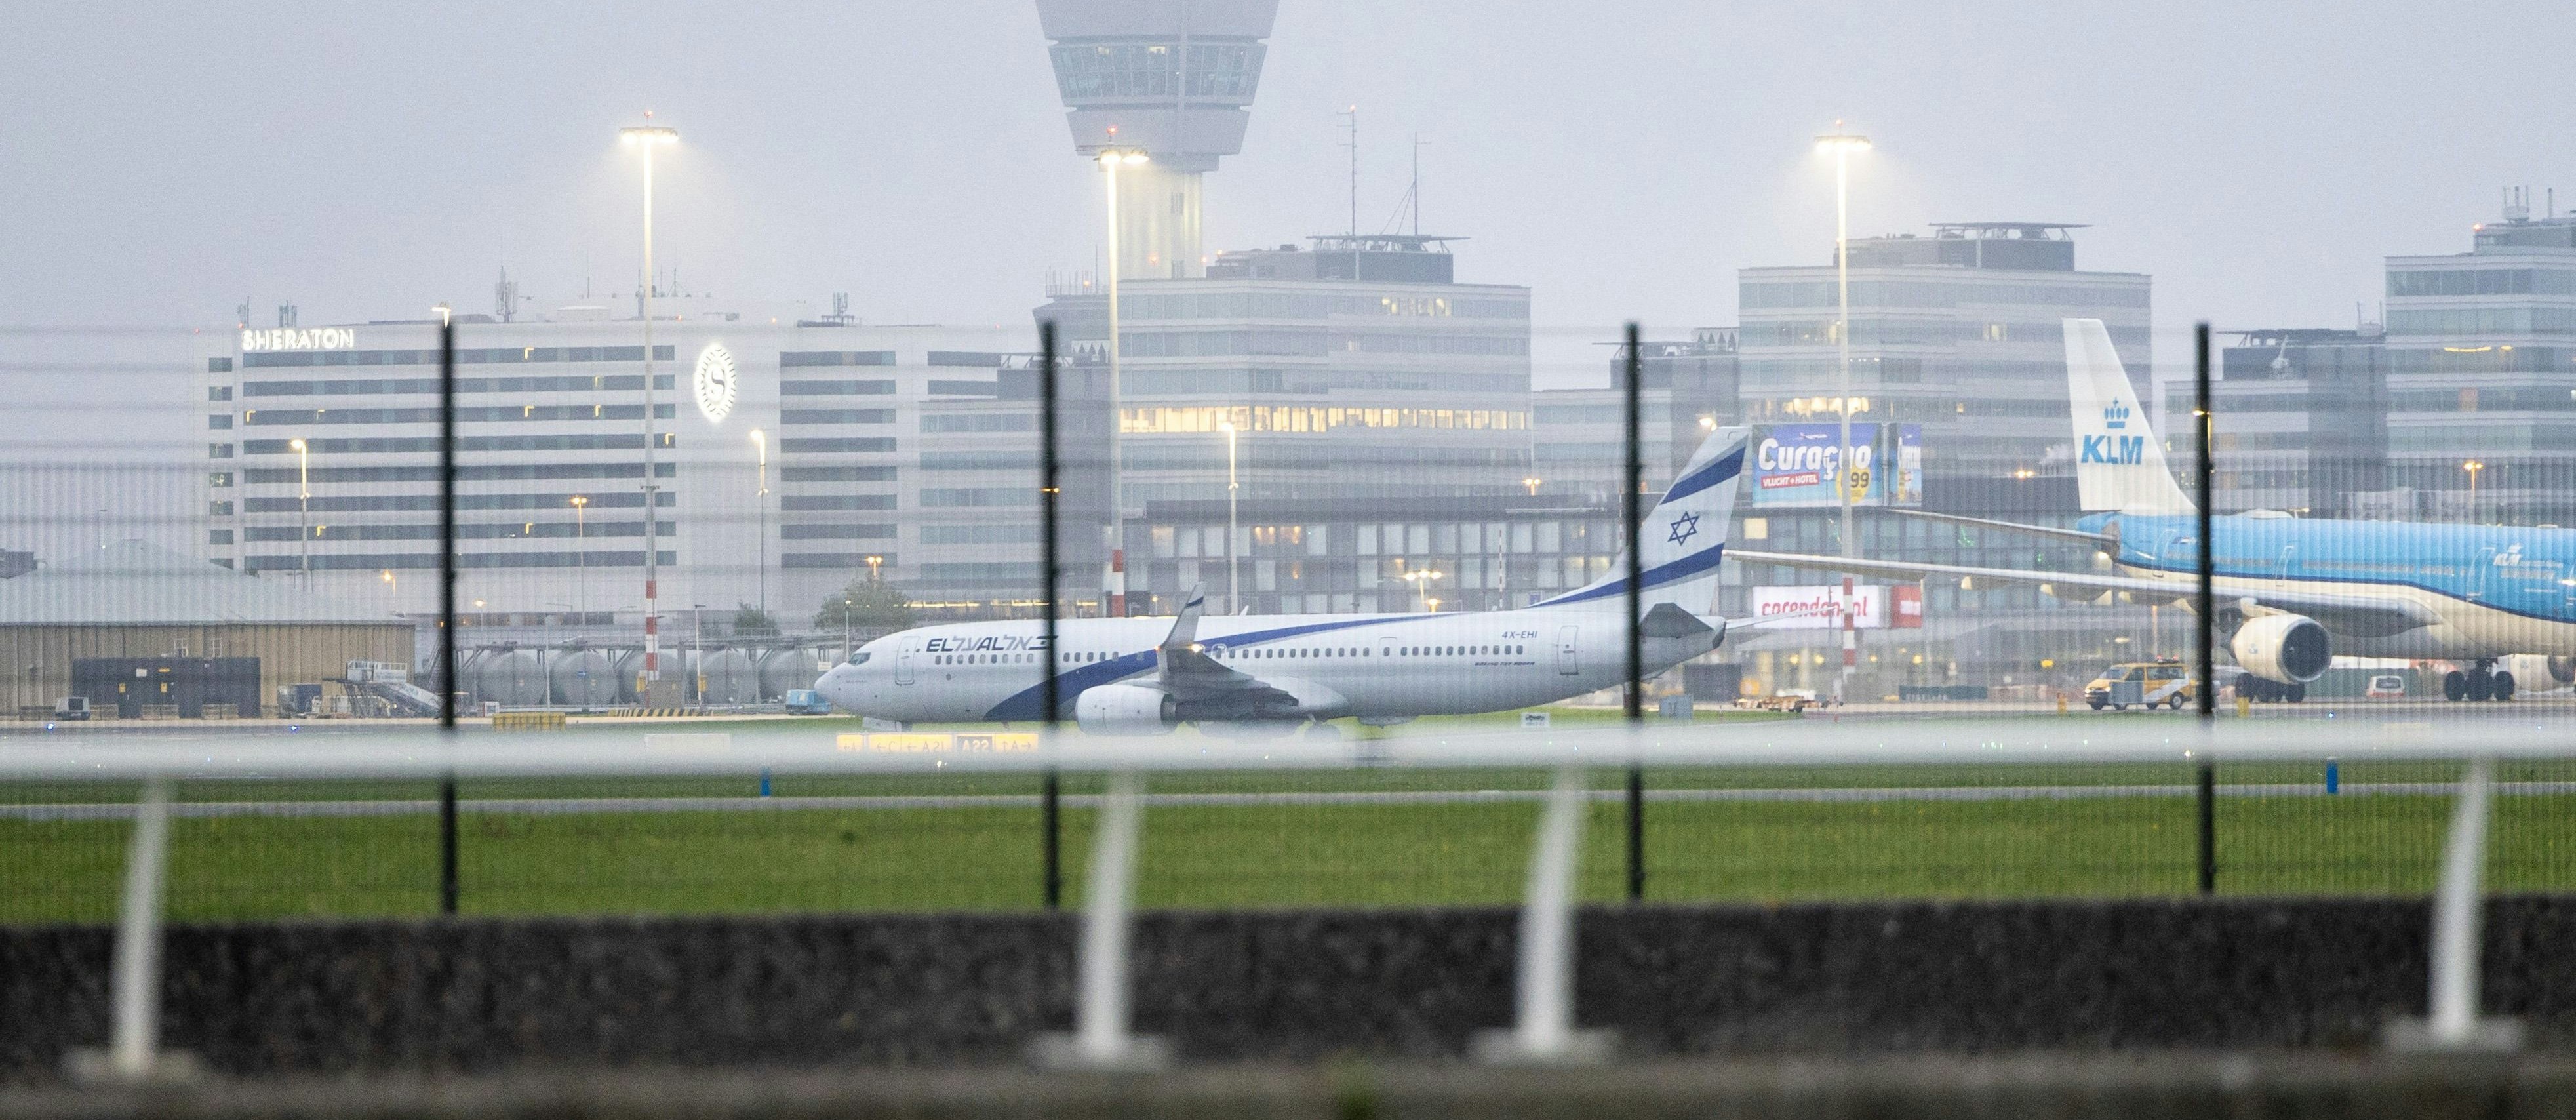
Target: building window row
[
  {"x": 817, "y": 503},
  {"x": 379, "y": 445},
  {"x": 1935, "y": 294},
  {"x": 429, "y": 560},
  {"x": 836, "y": 532},
  {"x": 868, "y": 387},
  {"x": 970, "y": 497},
  {"x": 428, "y": 386},
  {"x": 2476, "y": 281},
  {"x": 1918, "y": 332},
  {"x": 847, "y": 445},
  {"x": 2483, "y": 320},
  {"x": 425, "y": 503},
  {"x": 493, "y": 472},
  {"x": 836, "y": 474},
  {"x": 532, "y": 413},
  {"x": 1309, "y": 418},
  {"x": 1297, "y": 305},
  {"x": 515, "y": 530},
  {"x": 1092, "y": 71},
  {"x": 807, "y": 417},
  {"x": 464, "y": 357}
]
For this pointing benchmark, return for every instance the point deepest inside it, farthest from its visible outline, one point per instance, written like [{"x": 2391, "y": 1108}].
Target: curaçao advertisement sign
[{"x": 1794, "y": 465}]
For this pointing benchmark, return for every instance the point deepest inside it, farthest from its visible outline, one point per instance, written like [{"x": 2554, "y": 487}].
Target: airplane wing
[
  {"x": 2010, "y": 526},
  {"x": 2357, "y": 615},
  {"x": 1193, "y": 677}
]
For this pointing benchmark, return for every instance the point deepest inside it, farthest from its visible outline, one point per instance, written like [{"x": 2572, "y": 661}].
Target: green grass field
[{"x": 986, "y": 857}]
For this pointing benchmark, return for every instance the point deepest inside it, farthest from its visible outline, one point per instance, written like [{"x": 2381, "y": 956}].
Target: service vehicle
[
  {"x": 2385, "y": 686},
  {"x": 807, "y": 702},
  {"x": 72, "y": 707},
  {"x": 2142, "y": 684}
]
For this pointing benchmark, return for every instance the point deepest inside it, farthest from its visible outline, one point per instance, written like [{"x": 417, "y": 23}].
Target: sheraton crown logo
[{"x": 716, "y": 383}]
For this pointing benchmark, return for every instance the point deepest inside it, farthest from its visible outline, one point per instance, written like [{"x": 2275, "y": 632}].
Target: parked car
[
  {"x": 2385, "y": 686},
  {"x": 72, "y": 708},
  {"x": 807, "y": 702}
]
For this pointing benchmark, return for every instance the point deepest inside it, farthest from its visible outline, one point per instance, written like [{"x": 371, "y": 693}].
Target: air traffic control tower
[{"x": 1169, "y": 77}]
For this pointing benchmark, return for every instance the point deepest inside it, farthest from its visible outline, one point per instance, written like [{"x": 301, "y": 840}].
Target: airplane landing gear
[{"x": 2480, "y": 682}]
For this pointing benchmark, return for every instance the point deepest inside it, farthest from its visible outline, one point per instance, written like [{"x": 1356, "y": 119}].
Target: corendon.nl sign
[{"x": 1820, "y": 607}]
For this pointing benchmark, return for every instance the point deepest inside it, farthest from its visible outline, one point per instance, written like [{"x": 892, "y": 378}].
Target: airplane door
[
  {"x": 903, "y": 662},
  {"x": 1569, "y": 657},
  {"x": 2482, "y": 574}
]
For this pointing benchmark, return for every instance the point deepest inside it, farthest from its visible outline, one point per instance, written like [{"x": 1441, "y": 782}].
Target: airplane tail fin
[
  {"x": 2119, "y": 462},
  {"x": 1684, "y": 535}
]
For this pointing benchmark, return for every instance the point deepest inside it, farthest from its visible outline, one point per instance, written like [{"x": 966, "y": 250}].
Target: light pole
[
  {"x": 304, "y": 511},
  {"x": 874, "y": 562},
  {"x": 1531, "y": 482},
  {"x": 649, "y": 137},
  {"x": 2473, "y": 467},
  {"x": 845, "y": 629},
  {"x": 1114, "y": 585},
  {"x": 1421, "y": 579},
  {"x": 392, "y": 588},
  {"x": 760, "y": 451},
  {"x": 698, "y": 638},
  {"x": 1233, "y": 576},
  {"x": 1842, "y": 146},
  {"x": 581, "y": 557}
]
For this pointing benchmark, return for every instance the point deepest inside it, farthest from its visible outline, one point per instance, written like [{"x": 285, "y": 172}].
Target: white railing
[{"x": 1103, "y": 1036}]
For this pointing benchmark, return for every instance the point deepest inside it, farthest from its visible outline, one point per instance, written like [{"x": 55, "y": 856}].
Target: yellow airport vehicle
[{"x": 2143, "y": 684}]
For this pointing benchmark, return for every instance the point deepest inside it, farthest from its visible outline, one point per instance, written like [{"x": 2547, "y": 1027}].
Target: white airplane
[{"x": 1248, "y": 673}]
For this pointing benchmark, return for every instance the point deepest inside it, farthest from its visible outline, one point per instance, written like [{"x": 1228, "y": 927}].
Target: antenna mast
[
  {"x": 1416, "y": 190},
  {"x": 1353, "y": 113}
]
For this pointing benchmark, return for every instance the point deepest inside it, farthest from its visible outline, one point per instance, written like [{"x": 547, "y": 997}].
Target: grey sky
[{"x": 162, "y": 162}]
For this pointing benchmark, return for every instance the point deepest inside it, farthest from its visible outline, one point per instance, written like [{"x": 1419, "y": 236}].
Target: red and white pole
[
  {"x": 652, "y": 633},
  {"x": 1116, "y": 588},
  {"x": 1851, "y": 632}
]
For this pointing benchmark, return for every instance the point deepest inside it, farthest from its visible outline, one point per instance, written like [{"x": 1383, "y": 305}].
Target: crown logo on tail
[{"x": 2116, "y": 416}]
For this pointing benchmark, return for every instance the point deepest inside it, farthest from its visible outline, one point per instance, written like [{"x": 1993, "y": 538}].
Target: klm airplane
[
  {"x": 2292, "y": 593},
  {"x": 1253, "y": 674}
]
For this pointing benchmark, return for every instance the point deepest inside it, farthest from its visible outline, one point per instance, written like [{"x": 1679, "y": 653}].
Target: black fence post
[
  {"x": 447, "y": 607},
  {"x": 1049, "y": 489},
  {"x": 2207, "y": 605},
  {"x": 1635, "y": 477}
]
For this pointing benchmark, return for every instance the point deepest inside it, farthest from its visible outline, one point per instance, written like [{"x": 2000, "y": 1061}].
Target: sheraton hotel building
[{"x": 787, "y": 460}]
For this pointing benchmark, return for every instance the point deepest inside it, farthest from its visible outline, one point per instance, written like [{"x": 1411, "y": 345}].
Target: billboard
[
  {"x": 1819, "y": 607},
  {"x": 1794, "y": 465}
]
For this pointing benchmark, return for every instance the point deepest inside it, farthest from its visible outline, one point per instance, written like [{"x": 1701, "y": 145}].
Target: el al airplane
[
  {"x": 2292, "y": 593},
  {"x": 1247, "y": 673}
]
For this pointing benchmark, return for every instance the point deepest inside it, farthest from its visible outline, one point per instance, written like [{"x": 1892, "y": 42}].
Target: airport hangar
[{"x": 198, "y": 632}]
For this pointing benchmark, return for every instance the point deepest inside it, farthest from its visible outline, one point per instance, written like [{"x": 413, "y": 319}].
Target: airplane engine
[
  {"x": 1126, "y": 709},
  {"x": 2288, "y": 648},
  {"x": 2563, "y": 670}
]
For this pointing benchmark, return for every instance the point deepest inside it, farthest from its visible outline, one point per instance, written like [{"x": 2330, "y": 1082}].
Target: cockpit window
[{"x": 860, "y": 658}]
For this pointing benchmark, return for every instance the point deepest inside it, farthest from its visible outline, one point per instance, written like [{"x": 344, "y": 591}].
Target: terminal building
[
  {"x": 1957, "y": 334},
  {"x": 1357, "y": 370}
]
